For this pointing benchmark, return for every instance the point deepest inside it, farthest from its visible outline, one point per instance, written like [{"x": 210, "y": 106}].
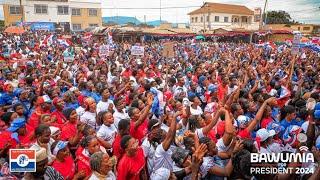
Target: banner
[
  {"x": 137, "y": 50},
  {"x": 104, "y": 50},
  {"x": 295, "y": 44},
  {"x": 168, "y": 51}
]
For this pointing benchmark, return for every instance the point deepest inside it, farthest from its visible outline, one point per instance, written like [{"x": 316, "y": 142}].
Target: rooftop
[{"x": 222, "y": 8}]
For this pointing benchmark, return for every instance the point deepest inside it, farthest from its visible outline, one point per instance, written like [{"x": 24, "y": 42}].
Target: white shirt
[
  {"x": 107, "y": 133},
  {"x": 80, "y": 111},
  {"x": 149, "y": 152},
  {"x": 89, "y": 118},
  {"x": 207, "y": 164},
  {"x": 109, "y": 176},
  {"x": 118, "y": 116},
  {"x": 222, "y": 147},
  {"x": 197, "y": 111},
  {"x": 162, "y": 158},
  {"x": 103, "y": 106}
]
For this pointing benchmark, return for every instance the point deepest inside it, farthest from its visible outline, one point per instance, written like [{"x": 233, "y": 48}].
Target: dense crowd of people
[{"x": 198, "y": 115}]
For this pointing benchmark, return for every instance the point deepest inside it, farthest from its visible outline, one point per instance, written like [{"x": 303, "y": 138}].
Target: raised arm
[
  {"x": 213, "y": 122},
  {"x": 229, "y": 129},
  {"x": 171, "y": 133},
  {"x": 259, "y": 114},
  {"x": 145, "y": 112}
]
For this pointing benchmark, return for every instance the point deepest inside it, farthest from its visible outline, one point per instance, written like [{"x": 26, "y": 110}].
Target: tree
[{"x": 279, "y": 17}]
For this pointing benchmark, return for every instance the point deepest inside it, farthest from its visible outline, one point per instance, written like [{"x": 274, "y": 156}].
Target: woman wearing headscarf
[
  {"x": 64, "y": 162},
  {"x": 57, "y": 114}
]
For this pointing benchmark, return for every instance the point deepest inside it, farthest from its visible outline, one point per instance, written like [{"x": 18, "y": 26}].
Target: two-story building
[
  {"x": 74, "y": 14},
  {"x": 226, "y": 16}
]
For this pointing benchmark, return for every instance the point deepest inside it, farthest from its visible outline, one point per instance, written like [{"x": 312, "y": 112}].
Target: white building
[
  {"x": 76, "y": 14},
  {"x": 213, "y": 16}
]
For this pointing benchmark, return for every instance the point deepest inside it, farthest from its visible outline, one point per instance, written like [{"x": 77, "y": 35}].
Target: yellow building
[
  {"x": 12, "y": 14},
  {"x": 82, "y": 18},
  {"x": 70, "y": 14}
]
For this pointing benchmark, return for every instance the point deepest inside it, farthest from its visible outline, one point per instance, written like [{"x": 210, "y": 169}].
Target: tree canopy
[{"x": 279, "y": 17}]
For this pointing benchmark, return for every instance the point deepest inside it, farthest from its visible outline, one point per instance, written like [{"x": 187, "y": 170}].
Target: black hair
[
  {"x": 135, "y": 103},
  {"x": 130, "y": 111},
  {"x": 117, "y": 101},
  {"x": 123, "y": 125},
  {"x": 241, "y": 163},
  {"x": 124, "y": 141},
  {"x": 86, "y": 140},
  {"x": 16, "y": 105},
  {"x": 193, "y": 123},
  {"x": 234, "y": 107},
  {"x": 41, "y": 129},
  {"x": 287, "y": 110},
  {"x": 248, "y": 144},
  {"x": 188, "y": 142},
  {"x": 100, "y": 116},
  {"x": 6, "y": 117}
]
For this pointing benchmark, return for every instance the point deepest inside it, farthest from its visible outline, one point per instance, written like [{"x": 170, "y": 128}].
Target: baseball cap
[
  {"x": 16, "y": 124},
  {"x": 212, "y": 88},
  {"x": 60, "y": 145},
  {"x": 54, "y": 130},
  {"x": 41, "y": 154},
  {"x": 264, "y": 134},
  {"x": 44, "y": 99},
  {"x": 243, "y": 121}
]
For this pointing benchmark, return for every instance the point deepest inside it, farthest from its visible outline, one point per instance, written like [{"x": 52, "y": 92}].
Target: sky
[{"x": 304, "y": 11}]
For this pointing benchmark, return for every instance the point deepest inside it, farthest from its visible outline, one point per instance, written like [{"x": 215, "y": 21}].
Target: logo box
[{"x": 22, "y": 160}]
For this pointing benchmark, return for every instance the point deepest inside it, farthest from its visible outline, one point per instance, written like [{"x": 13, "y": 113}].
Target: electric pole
[{"x": 265, "y": 15}]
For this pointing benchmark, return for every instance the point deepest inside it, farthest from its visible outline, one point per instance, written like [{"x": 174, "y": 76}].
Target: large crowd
[{"x": 198, "y": 115}]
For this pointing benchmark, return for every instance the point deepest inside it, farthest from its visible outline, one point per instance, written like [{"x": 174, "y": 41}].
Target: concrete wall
[{"x": 10, "y": 19}]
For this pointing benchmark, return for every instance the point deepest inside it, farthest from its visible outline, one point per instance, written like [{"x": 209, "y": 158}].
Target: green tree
[
  {"x": 1, "y": 23},
  {"x": 279, "y": 17}
]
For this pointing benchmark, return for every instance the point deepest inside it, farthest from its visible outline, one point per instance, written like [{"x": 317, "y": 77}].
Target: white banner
[
  {"x": 137, "y": 50},
  {"x": 295, "y": 44}
]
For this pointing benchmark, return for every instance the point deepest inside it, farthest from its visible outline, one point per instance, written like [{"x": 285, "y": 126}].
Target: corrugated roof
[{"x": 222, "y": 8}]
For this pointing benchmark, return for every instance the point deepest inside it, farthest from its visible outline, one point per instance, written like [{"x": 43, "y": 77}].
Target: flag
[
  {"x": 48, "y": 40},
  {"x": 64, "y": 42},
  {"x": 110, "y": 41}
]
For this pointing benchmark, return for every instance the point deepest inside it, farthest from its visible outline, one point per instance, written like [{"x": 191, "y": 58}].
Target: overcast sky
[{"x": 306, "y": 11}]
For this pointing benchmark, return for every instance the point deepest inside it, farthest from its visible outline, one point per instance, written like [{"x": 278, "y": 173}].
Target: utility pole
[
  {"x": 21, "y": 10},
  {"x": 265, "y": 15},
  {"x": 160, "y": 12}
]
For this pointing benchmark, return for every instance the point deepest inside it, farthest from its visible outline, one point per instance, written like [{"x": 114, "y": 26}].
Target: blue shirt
[{"x": 284, "y": 123}]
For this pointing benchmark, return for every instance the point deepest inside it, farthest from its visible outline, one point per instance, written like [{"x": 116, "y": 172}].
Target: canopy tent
[
  {"x": 200, "y": 37},
  {"x": 14, "y": 30}
]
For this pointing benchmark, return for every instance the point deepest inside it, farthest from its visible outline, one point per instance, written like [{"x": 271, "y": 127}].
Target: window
[
  {"x": 216, "y": 18},
  {"x": 40, "y": 9},
  {"x": 201, "y": 19},
  {"x": 93, "y": 12},
  {"x": 192, "y": 19},
  {"x": 226, "y": 19},
  {"x": 63, "y": 10},
  {"x": 196, "y": 19},
  {"x": 306, "y": 28},
  {"x": 93, "y": 25},
  {"x": 14, "y": 10},
  {"x": 76, "y": 27},
  {"x": 76, "y": 12},
  {"x": 298, "y": 28},
  {"x": 208, "y": 18}
]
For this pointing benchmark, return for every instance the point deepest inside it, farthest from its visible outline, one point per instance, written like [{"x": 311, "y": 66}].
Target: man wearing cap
[
  {"x": 43, "y": 170},
  {"x": 264, "y": 139},
  {"x": 43, "y": 107}
]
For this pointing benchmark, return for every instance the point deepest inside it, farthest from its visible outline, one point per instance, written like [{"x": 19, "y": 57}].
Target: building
[
  {"x": 73, "y": 14},
  {"x": 227, "y": 16},
  {"x": 307, "y": 29}
]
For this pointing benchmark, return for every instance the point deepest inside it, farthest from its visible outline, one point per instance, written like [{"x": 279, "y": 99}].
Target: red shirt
[
  {"x": 221, "y": 92},
  {"x": 117, "y": 150},
  {"x": 265, "y": 122},
  {"x": 83, "y": 163},
  {"x": 26, "y": 140},
  {"x": 69, "y": 130},
  {"x": 140, "y": 132},
  {"x": 60, "y": 119},
  {"x": 245, "y": 134},
  {"x": 35, "y": 117},
  {"x": 130, "y": 168},
  {"x": 66, "y": 168}
]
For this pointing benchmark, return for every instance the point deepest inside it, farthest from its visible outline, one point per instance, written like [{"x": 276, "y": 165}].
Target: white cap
[{"x": 264, "y": 134}]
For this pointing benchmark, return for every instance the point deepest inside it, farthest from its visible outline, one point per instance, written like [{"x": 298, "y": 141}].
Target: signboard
[
  {"x": 168, "y": 51},
  {"x": 42, "y": 26},
  {"x": 137, "y": 50},
  {"x": 104, "y": 50},
  {"x": 295, "y": 44}
]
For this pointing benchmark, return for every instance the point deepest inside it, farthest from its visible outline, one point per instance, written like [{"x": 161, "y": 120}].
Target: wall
[
  {"x": 51, "y": 16},
  {"x": 10, "y": 19},
  {"x": 85, "y": 19},
  {"x": 196, "y": 27}
]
